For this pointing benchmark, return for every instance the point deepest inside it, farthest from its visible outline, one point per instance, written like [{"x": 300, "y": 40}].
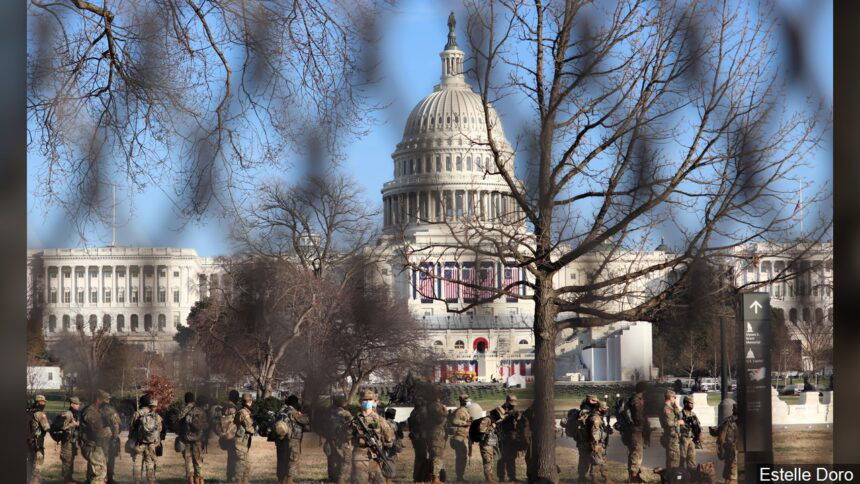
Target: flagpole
[{"x": 800, "y": 186}]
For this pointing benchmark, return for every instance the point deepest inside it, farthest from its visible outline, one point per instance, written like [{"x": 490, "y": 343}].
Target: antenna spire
[{"x": 113, "y": 220}]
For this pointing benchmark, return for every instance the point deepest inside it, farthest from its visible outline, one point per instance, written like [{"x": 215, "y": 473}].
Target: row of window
[
  {"x": 461, "y": 345},
  {"x": 431, "y": 122},
  {"x": 806, "y": 315},
  {"x": 450, "y": 281},
  {"x": 426, "y": 165},
  {"x": 106, "y": 296},
  {"x": 120, "y": 273},
  {"x": 92, "y": 323}
]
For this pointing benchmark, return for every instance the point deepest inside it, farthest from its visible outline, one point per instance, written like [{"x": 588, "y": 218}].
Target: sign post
[{"x": 754, "y": 379}]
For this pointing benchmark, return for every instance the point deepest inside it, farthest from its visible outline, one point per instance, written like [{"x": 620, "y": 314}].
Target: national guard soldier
[
  {"x": 590, "y": 403},
  {"x": 289, "y": 431},
  {"x": 69, "y": 439},
  {"x": 242, "y": 444},
  {"x": 397, "y": 446},
  {"x": 727, "y": 451},
  {"x": 635, "y": 432},
  {"x": 690, "y": 436},
  {"x": 460, "y": 421},
  {"x": 483, "y": 431},
  {"x": 145, "y": 435},
  {"x": 437, "y": 416},
  {"x": 193, "y": 424},
  {"x": 417, "y": 423},
  {"x": 93, "y": 432},
  {"x": 365, "y": 467},
  {"x": 110, "y": 445},
  {"x": 510, "y": 445},
  {"x": 38, "y": 427},
  {"x": 337, "y": 447},
  {"x": 228, "y": 415},
  {"x": 524, "y": 430},
  {"x": 670, "y": 421},
  {"x": 597, "y": 434}
]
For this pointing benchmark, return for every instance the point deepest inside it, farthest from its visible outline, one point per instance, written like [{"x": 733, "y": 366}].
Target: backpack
[
  {"x": 577, "y": 425},
  {"x": 624, "y": 414},
  {"x": 194, "y": 424},
  {"x": 58, "y": 433},
  {"x": 147, "y": 431},
  {"x": 475, "y": 434},
  {"x": 228, "y": 426}
]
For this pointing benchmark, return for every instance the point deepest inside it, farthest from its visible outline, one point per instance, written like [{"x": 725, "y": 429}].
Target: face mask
[{"x": 367, "y": 404}]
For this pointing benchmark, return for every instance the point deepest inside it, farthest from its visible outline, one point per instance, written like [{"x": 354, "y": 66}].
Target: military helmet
[
  {"x": 499, "y": 412},
  {"x": 104, "y": 396},
  {"x": 641, "y": 386},
  {"x": 281, "y": 428},
  {"x": 153, "y": 402},
  {"x": 233, "y": 396},
  {"x": 669, "y": 394},
  {"x": 390, "y": 413},
  {"x": 246, "y": 397},
  {"x": 464, "y": 398},
  {"x": 39, "y": 398},
  {"x": 75, "y": 400},
  {"x": 688, "y": 398},
  {"x": 367, "y": 394},
  {"x": 511, "y": 398},
  {"x": 591, "y": 397},
  {"x": 603, "y": 406}
]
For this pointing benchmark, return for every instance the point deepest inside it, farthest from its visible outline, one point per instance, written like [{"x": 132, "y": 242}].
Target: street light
[{"x": 726, "y": 402}]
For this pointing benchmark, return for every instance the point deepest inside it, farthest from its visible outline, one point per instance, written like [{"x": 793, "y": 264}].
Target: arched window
[
  {"x": 524, "y": 342},
  {"x": 162, "y": 322},
  {"x": 52, "y": 323},
  {"x": 830, "y": 314},
  {"x": 459, "y": 345},
  {"x": 135, "y": 325},
  {"x": 468, "y": 163},
  {"x": 807, "y": 316},
  {"x": 120, "y": 322},
  {"x": 459, "y": 164},
  {"x": 94, "y": 322},
  {"x": 480, "y": 345},
  {"x": 106, "y": 322},
  {"x": 147, "y": 322},
  {"x": 67, "y": 322},
  {"x": 792, "y": 315},
  {"x": 819, "y": 315},
  {"x": 438, "y": 343},
  {"x": 428, "y": 165},
  {"x": 448, "y": 163}
]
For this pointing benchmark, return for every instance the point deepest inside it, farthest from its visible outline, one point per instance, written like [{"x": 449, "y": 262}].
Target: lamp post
[{"x": 726, "y": 402}]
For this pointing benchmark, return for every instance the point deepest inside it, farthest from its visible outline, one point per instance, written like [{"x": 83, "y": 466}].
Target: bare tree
[
  {"x": 193, "y": 96},
  {"x": 641, "y": 118},
  {"x": 91, "y": 356}
]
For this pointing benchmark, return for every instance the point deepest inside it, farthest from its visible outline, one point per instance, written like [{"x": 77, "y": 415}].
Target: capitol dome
[{"x": 444, "y": 168}]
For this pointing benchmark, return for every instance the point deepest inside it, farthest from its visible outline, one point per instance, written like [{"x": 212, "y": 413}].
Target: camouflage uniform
[
  {"x": 686, "y": 445},
  {"x": 364, "y": 468},
  {"x": 489, "y": 442},
  {"x": 727, "y": 437},
  {"x": 437, "y": 416},
  {"x": 417, "y": 422},
  {"x": 597, "y": 452},
  {"x": 524, "y": 429},
  {"x": 589, "y": 404},
  {"x": 510, "y": 446},
  {"x": 93, "y": 432},
  {"x": 230, "y": 409},
  {"x": 669, "y": 417},
  {"x": 460, "y": 420},
  {"x": 69, "y": 444},
  {"x": 38, "y": 427},
  {"x": 192, "y": 451},
  {"x": 636, "y": 436},
  {"x": 289, "y": 450},
  {"x": 242, "y": 445},
  {"x": 338, "y": 448},
  {"x": 110, "y": 445},
  {"x": 146, "y": 452}
]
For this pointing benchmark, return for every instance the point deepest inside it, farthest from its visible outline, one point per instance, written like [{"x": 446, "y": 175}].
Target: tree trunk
[{"x": 544, "y": 384}]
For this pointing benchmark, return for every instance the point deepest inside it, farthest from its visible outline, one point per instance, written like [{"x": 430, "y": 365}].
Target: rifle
[
  {"x": 376, "y": 448},
  {"x": 691, "y": 422}
]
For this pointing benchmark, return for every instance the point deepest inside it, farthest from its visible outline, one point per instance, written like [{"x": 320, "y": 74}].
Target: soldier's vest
[
  {"x": 88, "y": 433},
  {"x": 35, "y": 433}
]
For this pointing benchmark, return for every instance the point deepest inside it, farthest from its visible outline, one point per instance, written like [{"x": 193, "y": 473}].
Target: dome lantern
[{"x": 452, "y": 57}]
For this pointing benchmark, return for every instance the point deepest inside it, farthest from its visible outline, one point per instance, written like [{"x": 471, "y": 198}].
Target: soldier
[
  {"x": 437, "y": 415},
  {"x": 509, "y": 442},
  {"x": 670, "y": 421},
  {"x": 524, "y": 429},
  {"x": 242, "y": 445},
  {"x": 337, "y": 446},
  {"x": 597, "y": 434},
  {"x": 689, "y": 434},
  {"x": 636, "y": 432},
  {"x": 110, "y": 445},
  {"x": 397, "y": 446},
  {"x": 193, "y": 424},
  {"x": 461, "y": 420},
  {"x": 590, "y": 403},
  {"x": 229, "y": 410},
  {"x": 727, "y": 451},
  {"x": 488, "y": 441},
  {"x": 417, "y": 422},
  {"x": 364, "y": 466},
  {"x": 69, "y": 441},
  {"x": 145, "y": 434},
  {"x": 92, "y": 433},
  {"x": 582, "y": 438},
  {"x": 38, "y": 427},
  {"x": 289, "y": 448}
]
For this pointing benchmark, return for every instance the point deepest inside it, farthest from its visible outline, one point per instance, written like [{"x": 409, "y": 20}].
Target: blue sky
[{"x": 414, "y": 34}]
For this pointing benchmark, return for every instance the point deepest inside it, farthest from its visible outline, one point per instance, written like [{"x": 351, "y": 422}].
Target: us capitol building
[{"x": 442, "y": 174}]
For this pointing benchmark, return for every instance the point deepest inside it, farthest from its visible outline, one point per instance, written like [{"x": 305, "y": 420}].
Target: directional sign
[{"x": 754, "y": 387}]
